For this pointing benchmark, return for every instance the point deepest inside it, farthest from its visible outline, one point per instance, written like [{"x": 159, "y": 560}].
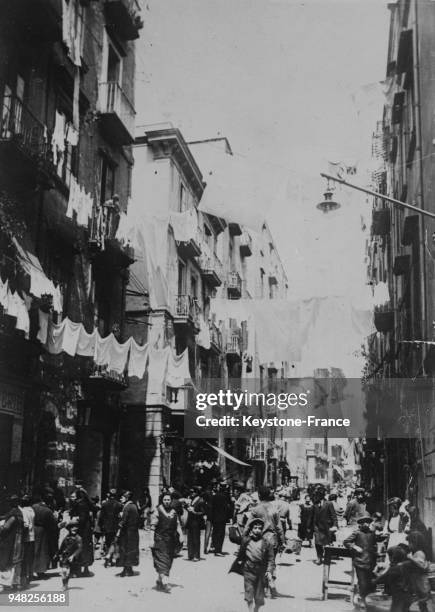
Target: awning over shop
[{"x": 224, "y": 453}]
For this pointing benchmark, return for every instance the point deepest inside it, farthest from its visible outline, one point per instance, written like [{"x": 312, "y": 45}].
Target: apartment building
[
  {"x": 67, "y": 126},
  {"x": 192, "y": 258},
  {"x": 402, "y": 249}
]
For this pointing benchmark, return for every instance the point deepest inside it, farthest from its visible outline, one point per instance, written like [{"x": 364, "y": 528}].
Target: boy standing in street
[
  {"x": 363, "y": 542},
  {"x": 69, "y": 551},
  {"x": 258, "y": 556}
]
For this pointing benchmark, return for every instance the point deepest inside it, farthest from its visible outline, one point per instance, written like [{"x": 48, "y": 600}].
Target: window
[
  {"x": 114, "y": 65},
  {"x": 262, "y": 273},
  {"x": 181, "y": 278},
  {"x": 67, "y": 153},
  {"x": 193, "y": 286},
  {"x": 12, "y": 109},
  {"x": 183, "y": 203}
]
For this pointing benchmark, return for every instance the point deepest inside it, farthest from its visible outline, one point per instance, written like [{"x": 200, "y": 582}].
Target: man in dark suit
[
  {"x": 325, "y": 523},
  {"x": 195, "y": 522},
  {"x": 219, "y": 513},
  {"x": 128, "y": 535},
  {"x": 108, "y": 522}
]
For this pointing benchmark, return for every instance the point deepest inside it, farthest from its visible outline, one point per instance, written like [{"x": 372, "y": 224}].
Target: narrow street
[{"x": 201, "y": 586}]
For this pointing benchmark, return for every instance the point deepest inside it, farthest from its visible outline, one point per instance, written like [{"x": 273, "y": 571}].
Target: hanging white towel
[
  {"x": 86, "y": 342},
  {"x": 103, "y": 348},
  {"x": 58, "y": 300},
  {"x": 118, "y": 356},
  {"x": 17, "y": 308},
  {"x": 63, "y": 337},
  {"x": 157, "y": 367},
  {"x": 72, "y": 135},
  {"x": 43, "y": 327},
  {"x": 4, "y": 291},
  {"x": 58, "y": 138},
  {"x": 55, "y": 337},
  {"x": 138, "y": 359},
  {"x": 203, "y": 338},
  {"x": 72, "y": 197},
  {"x": 71, "y": 337},
  {"x": 178, "y": 373}
]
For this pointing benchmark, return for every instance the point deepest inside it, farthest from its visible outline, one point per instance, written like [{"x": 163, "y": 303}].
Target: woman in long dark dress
[{"x": 164, "y": 524}]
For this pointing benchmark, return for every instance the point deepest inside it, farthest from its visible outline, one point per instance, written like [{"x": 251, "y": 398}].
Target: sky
[{"x": 291, "y": 85}]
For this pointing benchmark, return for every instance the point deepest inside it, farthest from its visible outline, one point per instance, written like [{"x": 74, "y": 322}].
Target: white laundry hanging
[
  {"x": 138, "y": 359},
  {"x": 103, "y": 347},
  {"x": 118, "y": 356},
  {"x": 157, "y": 367},
  {"x": 178, "y": 373},
  {"x": 86, "y": 342},
  {"x": 43, "y": 319}
]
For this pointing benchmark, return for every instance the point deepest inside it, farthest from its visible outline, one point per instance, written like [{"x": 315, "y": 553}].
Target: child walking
[
  {"x": 418, "y": 566},
  {"x": 69, "y": 550},
  {"x": 396, "y": 580},
  {"x": 363, "y": 542},
  {"x": 257, "y": 554}
]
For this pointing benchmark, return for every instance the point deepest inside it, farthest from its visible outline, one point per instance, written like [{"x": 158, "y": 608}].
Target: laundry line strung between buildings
[{"x": 129, "y": 356}]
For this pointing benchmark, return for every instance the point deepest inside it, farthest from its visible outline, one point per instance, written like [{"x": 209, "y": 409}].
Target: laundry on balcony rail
[{"x": 164, "y": 366}]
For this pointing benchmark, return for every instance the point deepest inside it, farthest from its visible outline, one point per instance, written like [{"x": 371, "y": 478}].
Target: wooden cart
[{"x": 331, "y": 553}]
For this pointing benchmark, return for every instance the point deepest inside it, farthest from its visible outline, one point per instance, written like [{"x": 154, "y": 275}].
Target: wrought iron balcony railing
[
  {"x": 211, "y": 269},
  {"x": 234, "y": 344},
  {"x": 186, "y": 307},
  {"x": 234, "y": 284},
  {"x": 215, "y": 336},
  {"x": 245, "y": 245},
  {"x": 20, "y": 126}
]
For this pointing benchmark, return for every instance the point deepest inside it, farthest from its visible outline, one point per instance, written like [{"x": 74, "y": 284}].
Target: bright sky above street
[{"x": 286, "y": 83}]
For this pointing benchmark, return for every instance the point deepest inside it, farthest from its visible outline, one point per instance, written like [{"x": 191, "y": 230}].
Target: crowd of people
[{"x": 47, "y": 530}]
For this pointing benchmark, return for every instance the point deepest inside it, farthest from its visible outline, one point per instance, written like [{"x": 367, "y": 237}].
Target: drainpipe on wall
[{"x": 419, "y": 151}]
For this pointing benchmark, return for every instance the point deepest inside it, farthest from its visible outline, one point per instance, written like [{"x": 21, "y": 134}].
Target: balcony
[
  {"x": 256, "y": 451},
  {"x": 233, "y": 346},
  {"x": 24, "y": 142},
  {"x": 234, "y": 285},
  {"x": 107, "y": 380},
  {"x": 215, "y": 337},
  {"x": 178, "y": 399},
  {"x": 103, "y": 245},
  {"x": 117, "y": 114},
  {"x": 381, "y": 222},
  {"x": 211, "y": 270},
  {"x": 188, "y": 249},
  {"x": 402, "y": 265},
  {"x": 384, "y": 320},
  {"x": 245, "y": 245},
  {"x": 410, "y": 232},
  {"x": 186, "y": 312},
  {"x": 123, "y": 18},
  {"x": 235, "y": 229},
  {"x": 38, "y": 19},
  {"x": 273, "y": 277}
]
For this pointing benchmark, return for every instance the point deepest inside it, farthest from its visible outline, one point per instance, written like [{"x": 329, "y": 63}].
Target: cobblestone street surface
[{"x": 201, "y": 586}]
